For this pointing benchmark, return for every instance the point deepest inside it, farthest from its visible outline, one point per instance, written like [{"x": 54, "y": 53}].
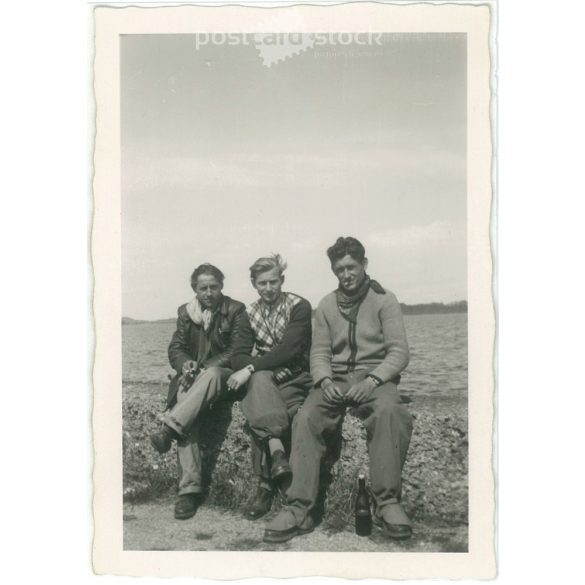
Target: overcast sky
[{"x": 225, "y": 160}]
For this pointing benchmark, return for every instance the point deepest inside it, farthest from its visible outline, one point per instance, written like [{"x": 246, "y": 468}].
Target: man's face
[
  {"x": 208, "y": 291},
  {"x": 349, "y": 272},
  {"x": 269, "y": 285}
]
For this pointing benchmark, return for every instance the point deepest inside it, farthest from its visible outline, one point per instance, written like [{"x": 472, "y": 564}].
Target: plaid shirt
[{"x": 269, "y": 325}]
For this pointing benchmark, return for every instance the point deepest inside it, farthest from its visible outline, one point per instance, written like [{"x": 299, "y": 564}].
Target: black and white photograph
[
  {"x": 301, "y": 261},
  {"x": 184, "y": 181}
]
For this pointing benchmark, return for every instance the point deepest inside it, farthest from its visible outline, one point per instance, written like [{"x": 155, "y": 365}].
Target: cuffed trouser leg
[
  {"x": 389, "y": 428},
  {"x": 207, "y": 388},
  {"x": 268, "y": 408},
  {"x": 190, "y": 464},
  {"x": 314, "y": 419},
  {"x": 259, "y": 461}
]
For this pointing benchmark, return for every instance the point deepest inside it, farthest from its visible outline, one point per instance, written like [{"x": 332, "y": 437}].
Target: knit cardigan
[{"x": 379, "y": 342}]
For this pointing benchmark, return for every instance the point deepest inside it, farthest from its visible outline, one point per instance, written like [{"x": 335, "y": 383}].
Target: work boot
[
  {"x": 279, "y": 468},
  {"x": 393, "y": 521},
  {"x": 186, "y": 506},
  {"x": 163, "y": 440},
  {"x": 284, "y": 526},
  {"x": 260, "y": 504}
]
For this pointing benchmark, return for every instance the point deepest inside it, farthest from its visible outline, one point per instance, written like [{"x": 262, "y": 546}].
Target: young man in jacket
[
  {"x": 200, "y": 353},
  {"x": 272, "y": 357},
  {"x": 359, "y": 350}
]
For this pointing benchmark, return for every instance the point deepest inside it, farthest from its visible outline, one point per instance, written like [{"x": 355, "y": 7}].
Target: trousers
[
  {"x": 268, "y": 409},
  {"x": 389, "y": 427},
  {"x": 207, "y": 388}
]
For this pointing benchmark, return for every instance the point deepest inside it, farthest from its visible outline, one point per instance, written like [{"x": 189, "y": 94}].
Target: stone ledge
[{"x": 434, "y": 477}]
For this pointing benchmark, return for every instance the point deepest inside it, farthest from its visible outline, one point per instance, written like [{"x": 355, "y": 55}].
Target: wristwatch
[
  {"x": 250, "y": 368},
  {"x": 376, "y": 381}
]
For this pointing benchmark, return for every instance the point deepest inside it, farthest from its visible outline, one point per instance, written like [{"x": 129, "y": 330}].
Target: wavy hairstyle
[
  {"x": 206, "y": 268},
  {"x": 345, "y": 246},
  {"x": 268, "y": 263}
]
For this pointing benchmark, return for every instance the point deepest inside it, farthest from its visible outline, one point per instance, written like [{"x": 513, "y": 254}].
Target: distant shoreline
[
  {"x": 434, "y": 308},
  {"x": 419, "y": 309}
]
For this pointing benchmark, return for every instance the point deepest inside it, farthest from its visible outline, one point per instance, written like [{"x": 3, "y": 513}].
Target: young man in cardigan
[
  {"x": 272, "y": 357},
  {"x": 359, "y": 350}
]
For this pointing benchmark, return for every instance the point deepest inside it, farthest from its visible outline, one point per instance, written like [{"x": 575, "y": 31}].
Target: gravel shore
[{"x": 434, "y": 477}]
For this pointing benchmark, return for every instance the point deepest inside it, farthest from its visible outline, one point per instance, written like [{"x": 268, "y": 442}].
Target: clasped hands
[{"x": 357, "y": 393}]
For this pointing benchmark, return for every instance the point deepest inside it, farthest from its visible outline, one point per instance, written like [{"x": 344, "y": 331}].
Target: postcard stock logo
[{"x": 276, "y": 47}]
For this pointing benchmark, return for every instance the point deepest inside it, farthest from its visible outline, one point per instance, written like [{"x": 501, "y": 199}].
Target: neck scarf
[
  {"x": 349, "y": 305},
  {"x": 199, "y": 315}
]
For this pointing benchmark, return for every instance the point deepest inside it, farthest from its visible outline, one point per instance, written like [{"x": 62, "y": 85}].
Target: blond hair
[{"x": 268, "y": 263}]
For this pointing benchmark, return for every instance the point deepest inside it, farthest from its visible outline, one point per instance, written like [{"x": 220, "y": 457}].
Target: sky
[{"x": 225, "y": 160}]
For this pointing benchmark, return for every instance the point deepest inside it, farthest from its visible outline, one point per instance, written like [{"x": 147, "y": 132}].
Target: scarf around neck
[
  {"x": 349, "y": 305},
  {"x": 199, "y": 315}
]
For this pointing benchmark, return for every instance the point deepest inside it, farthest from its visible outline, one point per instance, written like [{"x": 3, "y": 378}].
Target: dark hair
[
  {"x": 265, "y": 264},
  {"x": 345, "y": 246},
  {"x": 206, "y": 268}
]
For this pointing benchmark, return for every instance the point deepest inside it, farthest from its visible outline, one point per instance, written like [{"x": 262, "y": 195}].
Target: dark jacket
[
  {"x": 185, "y": 342},
  {"x": 292, "y": 351}
]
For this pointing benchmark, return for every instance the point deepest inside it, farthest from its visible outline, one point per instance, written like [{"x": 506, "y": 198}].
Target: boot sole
[
  {"x": 185, "y": 516},
  {"x": 279, "y": 538},
  {"x": 384, "y": 528}
]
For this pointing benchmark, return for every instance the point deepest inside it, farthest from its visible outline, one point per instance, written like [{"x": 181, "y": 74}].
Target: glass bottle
[{"x": 363, "y": 515}]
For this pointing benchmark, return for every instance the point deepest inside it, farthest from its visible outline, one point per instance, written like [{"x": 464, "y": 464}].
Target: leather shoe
[
  {"x": 395, "y": 531},
  {"x": 280, "y": 467},
  {"x": 163, "y": 440},
  {"x": 285, "y": 535},
  {"x": 394, "y": 522},
  {"x": 285, "y": 526},
  {"x": 187, "y": 505},
  {"x": 260, "y": 505}
]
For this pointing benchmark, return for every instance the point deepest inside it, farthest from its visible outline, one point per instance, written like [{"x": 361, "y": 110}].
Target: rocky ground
[
  {"x": 151, "y": 526},
  {"x": 434, "y": 491}
]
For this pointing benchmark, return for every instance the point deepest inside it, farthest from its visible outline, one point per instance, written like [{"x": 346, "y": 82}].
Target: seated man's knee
[
  {"x": 388, "y": 407},
  {"x": 215, "y": 373},
  {"x": 305, "y": 419},
  {"x": 259, "y": 380}
]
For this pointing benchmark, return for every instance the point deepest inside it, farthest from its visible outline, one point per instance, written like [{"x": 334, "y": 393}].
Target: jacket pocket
[{"x": 224, "y": 336}]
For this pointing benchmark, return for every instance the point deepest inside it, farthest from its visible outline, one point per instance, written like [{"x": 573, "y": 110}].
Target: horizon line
[{"x": 427, "y": 304}]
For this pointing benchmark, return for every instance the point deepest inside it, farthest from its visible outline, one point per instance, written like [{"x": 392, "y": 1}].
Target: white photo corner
[{"x": 293, "y": 300}]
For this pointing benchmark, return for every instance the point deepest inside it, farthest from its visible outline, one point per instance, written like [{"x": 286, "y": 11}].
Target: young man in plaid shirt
[{"x": 271, "y": 356}]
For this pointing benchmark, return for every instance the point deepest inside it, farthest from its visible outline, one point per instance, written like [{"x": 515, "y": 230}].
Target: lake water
[{"x": 438, "y": 354}]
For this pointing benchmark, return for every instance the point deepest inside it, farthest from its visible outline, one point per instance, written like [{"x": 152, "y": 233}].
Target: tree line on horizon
[{"x": 432, "y": 308}]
